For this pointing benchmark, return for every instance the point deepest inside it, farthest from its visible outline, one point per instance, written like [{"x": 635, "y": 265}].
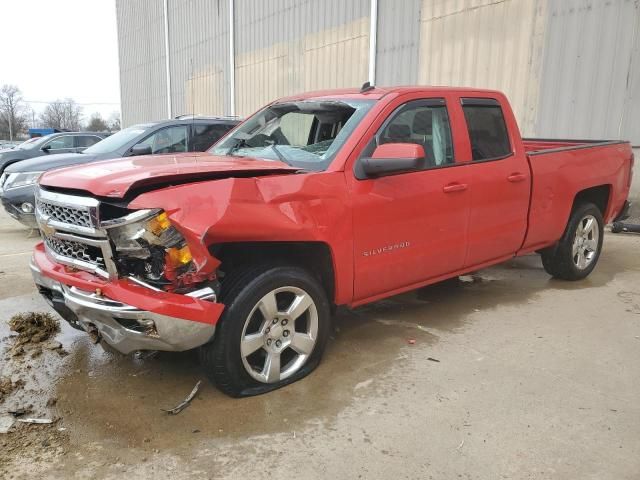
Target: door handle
[
  {"x": 454, "y": 187},
  {"x": 516, "y": 177}
]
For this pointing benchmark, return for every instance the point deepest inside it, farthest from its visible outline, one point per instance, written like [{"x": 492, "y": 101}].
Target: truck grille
[
  {"x": 68, "y": 215},
  {"x": 76, "y": 251},
  {"x": 72, "y": 234}
]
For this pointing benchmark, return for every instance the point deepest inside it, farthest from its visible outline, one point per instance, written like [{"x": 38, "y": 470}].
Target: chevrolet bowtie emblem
[{"x": 47, "y": 229}]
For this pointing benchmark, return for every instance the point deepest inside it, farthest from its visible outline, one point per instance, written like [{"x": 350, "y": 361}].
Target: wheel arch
[
  {"x": 599, "y": 195},
  {"x": 316, "y": 257}
]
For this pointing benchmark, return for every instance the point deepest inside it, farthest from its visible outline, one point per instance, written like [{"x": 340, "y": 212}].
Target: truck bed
[
  {"x": 559, "y": 168},
  {"x": 546, "y": 145}
]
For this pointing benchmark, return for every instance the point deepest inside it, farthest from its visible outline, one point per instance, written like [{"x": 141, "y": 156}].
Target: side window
[
  {"x": 168, "y": 140},
  {"x": 205, "y": 136},
  {"x": 425, "y": 124},
  {"x": 84, "y": 141},
  {"x": 65, "y": 141},
  {"x": 487, "y": 129}
]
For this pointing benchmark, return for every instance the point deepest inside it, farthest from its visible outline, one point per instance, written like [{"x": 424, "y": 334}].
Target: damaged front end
[
  {"x": 146, "y": 289},
  {"x": 151, "y": 251}
]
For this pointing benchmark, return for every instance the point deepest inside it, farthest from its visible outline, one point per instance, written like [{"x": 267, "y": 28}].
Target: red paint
[
  {"x": 170, "y": 304},
  {"x": 385, "y": 235},
  {"x": 398, "y": 150}
]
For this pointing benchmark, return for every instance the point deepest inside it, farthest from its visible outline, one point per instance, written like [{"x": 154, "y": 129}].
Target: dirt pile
[
  {"x": 7, "y": 387},
  {"x": 34, "y": 330}
]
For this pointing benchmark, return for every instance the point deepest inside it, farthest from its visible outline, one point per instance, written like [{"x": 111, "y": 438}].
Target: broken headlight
[{"x": 149, "y": 247}]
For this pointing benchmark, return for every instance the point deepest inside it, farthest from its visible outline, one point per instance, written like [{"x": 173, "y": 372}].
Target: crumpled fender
[{"x": 311, "y": 207}]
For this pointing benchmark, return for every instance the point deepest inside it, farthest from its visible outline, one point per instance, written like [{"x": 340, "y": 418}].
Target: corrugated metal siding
[
  {"x": 571, "y": 68},
  {"x": 590, "y": 74},
  {"x": 199, "y": 56},
  {"x": 285, "y": 47},
  {"x": 485, "y": 44},
  {"x": 142, "y": 60},
  {"x": 398, "y": 42}
]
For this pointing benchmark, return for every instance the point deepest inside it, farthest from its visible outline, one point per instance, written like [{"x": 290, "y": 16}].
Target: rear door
[
  {"x": 500, "y": 183},
  {"x": 411, "y": 227}
]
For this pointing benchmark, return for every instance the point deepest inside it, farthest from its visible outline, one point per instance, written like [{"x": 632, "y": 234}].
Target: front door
[{"x": 411, "y": 227}]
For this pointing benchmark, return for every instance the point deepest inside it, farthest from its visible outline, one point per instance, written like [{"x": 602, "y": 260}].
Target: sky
[{"x": 63, "y": 48}]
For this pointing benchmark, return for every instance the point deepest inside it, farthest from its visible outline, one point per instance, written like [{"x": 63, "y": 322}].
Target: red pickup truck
[{"x": 318, "y": 200}]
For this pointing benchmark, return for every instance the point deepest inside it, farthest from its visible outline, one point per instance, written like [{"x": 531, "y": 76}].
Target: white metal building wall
[
  {"x": 591, "y": 70},
  {"x": 143, "y": 89},
  {"x": 199, "y": 56},
  {"x": 570, "y": 67}
]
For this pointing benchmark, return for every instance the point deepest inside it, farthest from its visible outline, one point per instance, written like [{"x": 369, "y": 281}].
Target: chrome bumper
[{"x": 123, "y": 327}]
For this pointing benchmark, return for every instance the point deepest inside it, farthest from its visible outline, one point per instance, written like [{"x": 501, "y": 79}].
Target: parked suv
[{"x": 184, "y": 134}]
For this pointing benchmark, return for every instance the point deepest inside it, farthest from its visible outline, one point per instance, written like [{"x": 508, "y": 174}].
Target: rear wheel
[
  {"x": 272, "y": 333},
  {"x": 576, "y": 254}
]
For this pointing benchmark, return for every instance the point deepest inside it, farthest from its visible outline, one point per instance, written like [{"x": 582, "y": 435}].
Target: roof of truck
[{"x": 376, "y": 93}]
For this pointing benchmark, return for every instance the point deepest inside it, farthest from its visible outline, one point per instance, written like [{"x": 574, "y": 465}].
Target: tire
[
  {"x": 585, "y": 233},
  {"x": 616, "y": 227},
  {"x": 255, "y": 331}
]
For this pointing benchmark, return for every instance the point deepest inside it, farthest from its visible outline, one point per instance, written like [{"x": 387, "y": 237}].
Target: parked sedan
[
  {"x": 17, "y": 183},
  {"x": 66, "y": 142}
]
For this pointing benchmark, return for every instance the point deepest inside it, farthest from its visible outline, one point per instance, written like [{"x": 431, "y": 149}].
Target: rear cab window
[{"x": 487, "y": 129}]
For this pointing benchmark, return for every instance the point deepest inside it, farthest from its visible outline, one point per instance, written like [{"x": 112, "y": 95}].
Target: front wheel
[
  {"x": 576, "y": 254},
  {"x": 272, "y": 333}
]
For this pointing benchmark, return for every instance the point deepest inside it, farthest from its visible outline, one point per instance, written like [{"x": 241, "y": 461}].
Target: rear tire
[
  {"x": 577, "y": 253},
  {"x": 272, "y": 333}
]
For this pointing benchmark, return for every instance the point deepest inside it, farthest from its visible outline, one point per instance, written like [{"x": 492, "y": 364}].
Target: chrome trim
[
  {"x": 206, "y": 293},
  {"x": 93, "y": 311},
  {"x": 143, "y": 283},
  {"x": 133, "y": 217},
  {"x": 95, "y": 236}
]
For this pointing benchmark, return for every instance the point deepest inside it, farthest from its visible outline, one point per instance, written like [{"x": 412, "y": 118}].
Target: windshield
[
  {"x": 32, "y": 143},
  {"x": 305, "y": 134},
  {"x": 117, "y": 140}
]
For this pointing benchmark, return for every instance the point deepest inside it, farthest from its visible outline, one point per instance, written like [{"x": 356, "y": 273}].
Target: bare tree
[
  {"x": 97, "y": 124},
  {"x": 114, "y": 122},
  {"x": 13, "y": 120},
  {"x": 64, "y": 114}
]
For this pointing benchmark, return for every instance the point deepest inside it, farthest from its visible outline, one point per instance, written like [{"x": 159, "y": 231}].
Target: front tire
[
  {"x": 272, "y": 333},
  {"x": 577, "y": 253}
]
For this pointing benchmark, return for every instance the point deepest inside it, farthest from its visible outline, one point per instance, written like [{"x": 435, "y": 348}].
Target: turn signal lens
[
  {"x": 159, "y": 224},
  {"x": 179, "y": 256}
]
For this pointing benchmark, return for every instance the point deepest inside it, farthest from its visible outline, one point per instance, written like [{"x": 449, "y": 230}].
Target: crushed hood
[{"x": 116, "y": 178}]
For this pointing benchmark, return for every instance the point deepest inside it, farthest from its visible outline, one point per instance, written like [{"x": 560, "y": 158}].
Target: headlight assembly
[
  {"x": 149, "y": 247},
  {"x": 21, "y": 179}
]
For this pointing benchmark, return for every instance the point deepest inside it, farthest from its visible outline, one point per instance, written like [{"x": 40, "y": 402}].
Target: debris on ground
[
  {"x": 6, "y": 422},
  {"x": 185, "y": 403},
  {"x": 19, "y": 412},
  {"x": 39, "y": 421},
  {"x": 411, "y": 341},
  {"x": 34, "y": 327},
  {"x": 7, "y": 386},
  {"x": 431, "y": 359}
]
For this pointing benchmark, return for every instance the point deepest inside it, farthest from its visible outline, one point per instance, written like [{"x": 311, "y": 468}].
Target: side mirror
[
  {"x": 390, "y": 158},
  {"x": 46, "y": 148},
  {"x": 141, "y": 150}
]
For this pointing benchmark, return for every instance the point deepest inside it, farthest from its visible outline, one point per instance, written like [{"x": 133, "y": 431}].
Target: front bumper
[
  {"x": 126, "y": 316},
  {"x": 12, "y": 201}
]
